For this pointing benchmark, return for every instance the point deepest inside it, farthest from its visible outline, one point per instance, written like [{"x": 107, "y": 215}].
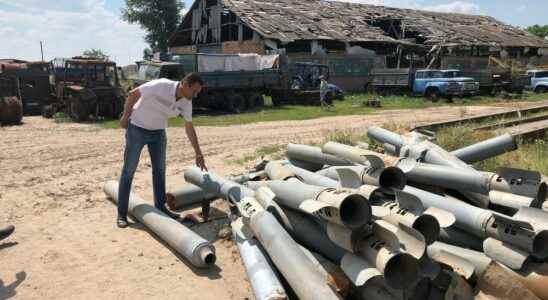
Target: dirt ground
[{"x": 66, "y": 244}]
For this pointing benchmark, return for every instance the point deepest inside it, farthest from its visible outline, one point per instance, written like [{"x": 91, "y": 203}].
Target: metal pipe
[
  {"x": 399, "y": 269},
  {"x": 484, "y": 223},
  {"x": 332, "y": 273},
  {"x": 431, "y": 153},
  {"x": 187, "y": 196},
  {"x": 512, "y": 201},
  {"x": 310, "y": 234},
  {"x": 426, "y": 151},
  {"x": 314, "y": 156},
  {"x": 455, "y": 236},
  {"x": 358, "y": 156},
  {"x": 486, "y": 149},
  {"x": 263, "y": 279},
  {"x": 211, "y": 183},
  {"x": 282, "y": 249},
  {"x": 383, "y": 136},
  {"x": 478, "y": 259},
  {"x": 296, "y": 267},
  {"x": 186, "y": 242},
  {"x": 342, "y": 207},
  {"x": 191, "y": 195},
  {"x": 275, "y": 170},
  {"x": 313, "y": 178},
  {"x": 473, "y": 181}
]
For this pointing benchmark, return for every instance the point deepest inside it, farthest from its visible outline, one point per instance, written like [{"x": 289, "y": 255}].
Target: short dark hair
[{"x": 192, "y": 78}]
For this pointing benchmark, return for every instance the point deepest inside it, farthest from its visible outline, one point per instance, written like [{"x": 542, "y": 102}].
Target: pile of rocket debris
[{"x": 412, "y": 222}]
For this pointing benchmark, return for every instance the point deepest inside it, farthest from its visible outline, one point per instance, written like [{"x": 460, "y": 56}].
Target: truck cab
[
  {"x": 151, "y": 70},
  {"x": 539, "y": 81},
  {"x": 443, "y": 83}
]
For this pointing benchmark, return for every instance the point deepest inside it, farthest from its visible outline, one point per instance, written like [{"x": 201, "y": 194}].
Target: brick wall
[
  {"x": 183, "y": 50},
  {"x": 243, "y": 47}
]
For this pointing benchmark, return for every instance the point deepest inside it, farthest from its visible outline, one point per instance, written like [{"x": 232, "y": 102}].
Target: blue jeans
[{"x": 136, "y": 139}]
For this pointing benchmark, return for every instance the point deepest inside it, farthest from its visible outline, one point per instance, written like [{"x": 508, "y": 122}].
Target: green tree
[
  {"x": 159, "y": 18},
  {"x": 541, "y": 31},
  {"x": 98, "y": 53}
]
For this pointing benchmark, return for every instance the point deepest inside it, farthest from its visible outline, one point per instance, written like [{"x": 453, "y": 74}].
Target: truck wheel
[
  {"x": 48, "y": 111},
  {"x": 78, "y": 110},
  {"x": 433, "y": 95},
  {"x": 236, "y": 103},
  {"x": 541, "y": 89},
  {"x": 255, "y": 100}
]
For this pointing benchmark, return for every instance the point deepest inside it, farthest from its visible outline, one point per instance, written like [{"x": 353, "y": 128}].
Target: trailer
[{"x": 238, "y": 82}]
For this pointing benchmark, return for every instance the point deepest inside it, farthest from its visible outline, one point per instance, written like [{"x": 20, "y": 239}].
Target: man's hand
[
  {"x": 200, "y": 162},
  {"x": 124, "y": 121}
]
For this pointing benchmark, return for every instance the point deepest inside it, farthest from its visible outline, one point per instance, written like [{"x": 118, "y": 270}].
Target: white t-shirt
[{"x": 158, "y": 103}]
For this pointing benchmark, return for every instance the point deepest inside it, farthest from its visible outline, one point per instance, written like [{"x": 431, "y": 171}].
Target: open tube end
[
  {"x": 392, "y": 177},
  {"x": 355, "y": 211},
  {"x": 429, "y": 227},
  {"x": 540, "y": 245},
  {"x": 401, "y": 271}
]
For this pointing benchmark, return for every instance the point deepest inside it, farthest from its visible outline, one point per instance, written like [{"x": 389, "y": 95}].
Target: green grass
[
  {"x": 273, "y": 152},
  {"x": 61, "y": 117},
  {"x": 530, "y": 156},
  {"x": 352, "y": 105}
]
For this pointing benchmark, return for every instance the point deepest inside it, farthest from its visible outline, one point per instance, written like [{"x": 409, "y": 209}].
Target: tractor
[{"x": 87, "y": 88}]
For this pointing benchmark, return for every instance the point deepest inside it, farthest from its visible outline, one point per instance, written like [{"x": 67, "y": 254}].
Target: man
[
  {"x": 146, "y": 113},
  {"x": 324, "y": 89}
]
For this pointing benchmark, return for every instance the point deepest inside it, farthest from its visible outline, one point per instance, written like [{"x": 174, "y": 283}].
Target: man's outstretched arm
[{"x": 193, "y": 138}]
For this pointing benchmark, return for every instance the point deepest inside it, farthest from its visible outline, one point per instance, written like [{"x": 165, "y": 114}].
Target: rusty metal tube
[{"x": 185, "y": 241}]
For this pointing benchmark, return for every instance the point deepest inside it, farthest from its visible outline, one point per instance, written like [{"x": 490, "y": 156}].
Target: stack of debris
[{"x": 414, "y": 222}]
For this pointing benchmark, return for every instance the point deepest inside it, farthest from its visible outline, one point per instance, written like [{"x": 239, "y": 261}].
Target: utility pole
[{"x": 42, "y": 50}]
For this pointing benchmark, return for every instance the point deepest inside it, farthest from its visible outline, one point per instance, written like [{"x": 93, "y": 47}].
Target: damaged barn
[{"x": 353, "y": 38}]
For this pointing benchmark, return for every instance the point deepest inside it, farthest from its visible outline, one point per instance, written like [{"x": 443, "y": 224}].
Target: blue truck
[
  {"x": 429, "y": 83},
  {"x": 538, "y": 81}
]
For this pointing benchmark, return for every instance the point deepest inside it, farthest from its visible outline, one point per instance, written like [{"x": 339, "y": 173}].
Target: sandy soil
[{"x": 66, "y": 244}]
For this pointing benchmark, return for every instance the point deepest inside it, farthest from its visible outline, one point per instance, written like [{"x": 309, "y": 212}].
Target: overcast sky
[{"x": 68, "y": 27}]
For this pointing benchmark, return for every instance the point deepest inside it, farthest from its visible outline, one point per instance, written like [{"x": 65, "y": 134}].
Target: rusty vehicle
[
  {"x": 86, "y": 88},
  {"x": 11, "y": 107},
  {"x": 34, "y": 84}
]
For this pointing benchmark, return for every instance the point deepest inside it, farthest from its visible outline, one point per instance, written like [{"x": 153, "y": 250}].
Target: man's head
[{"x": 191, "y": 85}]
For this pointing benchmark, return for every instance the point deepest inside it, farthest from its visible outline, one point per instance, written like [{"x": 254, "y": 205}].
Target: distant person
[
  {"x": 324, "y": 89},
  {"x": 146, "y": 113}
]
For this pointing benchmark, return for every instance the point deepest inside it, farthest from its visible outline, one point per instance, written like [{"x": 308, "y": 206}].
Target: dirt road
[{"x": 66, "y": 244}]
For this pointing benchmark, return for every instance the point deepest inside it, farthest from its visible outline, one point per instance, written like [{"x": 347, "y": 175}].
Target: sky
[{"x": 68, "y": 27}]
